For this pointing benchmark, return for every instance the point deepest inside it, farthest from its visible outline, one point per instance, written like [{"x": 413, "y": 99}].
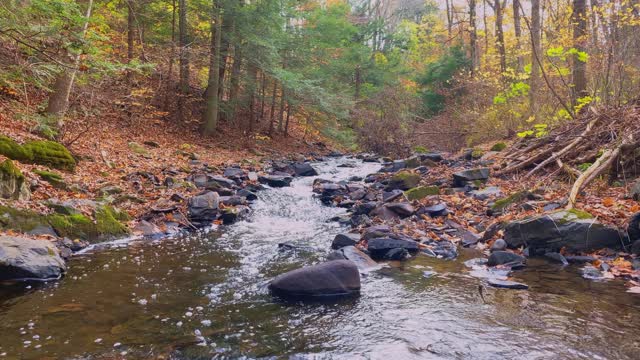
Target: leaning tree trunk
[
  {"x": 59, "y": 99},
  {"x": 210, "y": 117}
]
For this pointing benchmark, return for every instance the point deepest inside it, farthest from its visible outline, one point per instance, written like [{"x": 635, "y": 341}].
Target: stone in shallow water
[
  {"x": 342, "y": 240},
  {"x": 330, "y": 279},
  {"x": 379, "y": 247},
  {"x": 505, "y": 258},
  {"x": 352, "y": 253},
  {"x": 22, "y": 258},
  {"x": 506, "y": 284}
]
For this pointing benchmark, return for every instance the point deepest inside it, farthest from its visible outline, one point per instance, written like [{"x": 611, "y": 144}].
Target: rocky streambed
[{"x": 405, "y": 281}]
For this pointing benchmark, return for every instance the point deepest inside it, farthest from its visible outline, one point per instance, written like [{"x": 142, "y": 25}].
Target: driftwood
[{"x": 606, "y": 136}]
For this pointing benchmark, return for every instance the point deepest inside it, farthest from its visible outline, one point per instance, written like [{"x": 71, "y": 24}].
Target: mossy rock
[
  {"x": 13, "y": 150},
  {"x": 498, "y": 146},
  {"x": 73, "y": 226},
  {"x": 52, "y": 178},
  {"x": 21, "y": 220},
  {"x": 477, "y": 154},
  {"x": 572, "y": 215},
  {"x": 50, "y": 153},
  {"x": 421, "y": 192},
  {"x": 108, "y": 221},
  {"x": 503, "y": 203},
  {"x": 41, "y": 152},
  {"x": 13, "y": 184},
  {"x": 404, "y": 180}
]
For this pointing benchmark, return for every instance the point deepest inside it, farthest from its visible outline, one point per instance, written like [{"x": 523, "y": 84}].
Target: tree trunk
[
  {"x": 500, "y": 36},
  {"x": 286, "y": 127},
  {"x": 184, "y": 60},
  {"x": 535, "y": 52},
  {"x": 518, "y": 33},
  {"x": 579, "y": 38},
  {"x": 210, "y": 117},
  {"x": 59, "y": 99},
  {"x": 449, "y": 17},
  {"x": 263, "y": 91},
  {"x": 282, "y": 105},
  {"x": 235, "y": 82},
  {"x": 130, "y": 38},
  {"x": 358, "y": 81},
  {"x": 172, "y": 56},
  {"x": 473, "y": 36},
  {"x": 273, "y": 106}
]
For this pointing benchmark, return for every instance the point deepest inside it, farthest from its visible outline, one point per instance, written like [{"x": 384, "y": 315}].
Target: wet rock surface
[
  {"x": 22, "y": 258},
  {"x": 335, "y": 278}
]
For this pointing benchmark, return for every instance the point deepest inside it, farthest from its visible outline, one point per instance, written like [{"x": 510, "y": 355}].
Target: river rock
[
  {"x": 435, "y": 157},
  {"x": 247, "y": 194},
  {"x": 347, "y": 239},
  {"x": 330, "y": 279},
  {"x": 22, "y": 258},
  {"x": 461, "y": 178},
  {"x": 352, "y": 253},
  {"x": 203, "y": 208},
  {"x": 506, "y": 284},
  {"x": 404, "y": 180},
  {"x": 303, "y": 169},
  {"x": 403, "y": 209},
  {"x": 379, "y": 247},
  {"x": 634, "y": 227},
  {"x": 557, "y": 258},
  {"x": 634, "y": 192},
  {"x": 441, "y": 249},
  {"x": 572, "y": 230},
  {"x": 384, "y": 213},
  {"x": 436, "y": 210},
  {"x": 275, "y": 180},
  {"x": 505, "y": 258},
  {"x": 499, "y": 245},
  {"x": 376, "y": 232},
  {"x": 390, "y": 195},
  {"x": 215, "y": 182},
  {"x": 364, "y": 208},
  {"x": 234, "y": 173},
  {"x": 486, "y": 193}
]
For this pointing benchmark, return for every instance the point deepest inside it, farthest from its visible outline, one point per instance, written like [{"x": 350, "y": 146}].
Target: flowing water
[{"x": 204, "y": 296}]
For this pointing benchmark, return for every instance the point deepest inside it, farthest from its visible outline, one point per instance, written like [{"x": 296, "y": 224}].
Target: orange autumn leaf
[{"x": 608, "y": 202}]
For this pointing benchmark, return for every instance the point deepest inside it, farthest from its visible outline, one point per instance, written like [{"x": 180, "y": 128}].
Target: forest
[{"x": 271, "y": 178}]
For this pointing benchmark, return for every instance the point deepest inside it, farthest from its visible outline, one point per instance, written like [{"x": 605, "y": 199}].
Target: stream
[{"x": 203, "y": 295}]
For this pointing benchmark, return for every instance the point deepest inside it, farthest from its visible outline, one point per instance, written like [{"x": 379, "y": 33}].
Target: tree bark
[
  {"x": 235, "y": 82},
  {"x": 473, "y": 36},
  {"x": 517, "y": 28},
  {"x": 579, "y": 20},
  {"x": 213, "y": 99},
  {"x": 273, "y": 106},
  {"x": 130, "y": 38},
  {"x": 184, "y": 60},
  {"x": 59, "y": 99},
  {"x": 535, "y": 52},
  {"x": 500, "y": 36}
]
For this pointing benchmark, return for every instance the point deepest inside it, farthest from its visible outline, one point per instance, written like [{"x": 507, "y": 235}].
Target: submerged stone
[{"x": 506, "y": 284}]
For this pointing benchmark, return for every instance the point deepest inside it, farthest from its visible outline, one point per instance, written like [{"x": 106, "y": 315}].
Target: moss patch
[
  {"x": 405, "y": 180},
  {"x": 52, "y": 178},
  {"x": 107, "y": 221},
  {"x": 12, "y": 182},
  {"x": 498, "y": 146},
  {"x": 580, "y": 214},
  {"x": 138, "y": 149},
  {"x": 73, "y": 226},
  {"x": 503, "y": 203},
  {"x": 7, "y": 168},
  {"x": 21, "y": 220},
  {"x": 421, "y": 192},
  {"x": 49, "y": 153},
  {"x": 477, "y": 154}
]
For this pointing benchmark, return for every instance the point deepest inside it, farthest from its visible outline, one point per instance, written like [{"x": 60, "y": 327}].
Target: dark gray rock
[
  {"x": 556, "y": 257},
  {"x": 462, "y": 178},
  {"x": 442, "y": 249},
  {"x": 247, "y": 194},
  {"x": 330, "y": 279},
  {"x": 351, "y": 253},
  {"x": 22, "y": 259},
  {"x": 499, "y": 245},
  {"x": 403, "y": 209},
  {"x": 634, "y": 228},
  {"x": 234, "y": 173},
  {"x": 391, "y": 195},
  {"x": 275, "y": 180},
  {"x": 342, "y": 240},
  {"x": 397, "y": 254},
  {"x": 203, "y": 208},
  {"x": 436, "y": 210},
  {"x": 505, "y": 258},
  {"x": 384, "y": 213},
  {"x": 486, "y": 193},
  {"x": 364, "y": 208},
  {"x": 303, "y": 169},
  {"x": 379, "y": 247},
  {"x": 214, "y": 182},
  {"x": 552, "y": 232},
  {"x": 376, "y": 232},
  {"x": 506, "y": 284},
  {"x": 435, "y": 157},
  {"x": 577, "y": 259},
  {"x": 635, "y": 248},
  {"x": 634, "y": 192}
]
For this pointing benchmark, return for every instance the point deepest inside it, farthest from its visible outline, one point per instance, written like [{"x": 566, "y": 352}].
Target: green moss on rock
[
  {"x": 52, "y": 178},
  {"x": 12, "y": 182},
  {"x": 50, "y": 153},
  {"x": 42, "y": 152},
  {"x": 405, "y": 180},
  {"x": 503, "y": 203},
  {"x": 107, "y": 221},
  {"x": 477, "y": 153},
  {"x": 498, "y": 146},
  {"x": 21, "y": 220},
  {"x": 421, "y": 192},
  {"x": 137, "y": 148},
  {"x": 73, "y": 226}
]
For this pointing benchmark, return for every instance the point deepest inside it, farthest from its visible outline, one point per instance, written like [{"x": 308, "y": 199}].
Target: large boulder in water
[
  {"x": 22, "y": 258},
  {"x": 203, "y": 208},
  {"x": 330, "y": 279},
  {"x": 275, "y": 180},
  {"x": 573, "y": 230}
]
